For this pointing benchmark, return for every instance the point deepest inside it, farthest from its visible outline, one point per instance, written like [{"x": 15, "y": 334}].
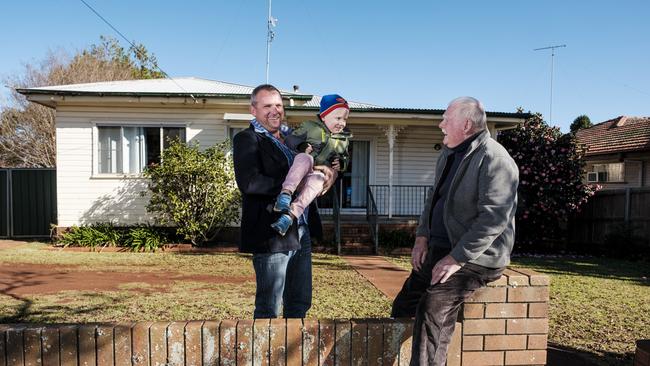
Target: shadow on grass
[
  {"x": 330, "y": 264},
  {"x": 637, "y": 272},
  {"x": 24, "y": 312},
  {"x": 9, "y": 288},
  {"x": 558, "y": 355}
]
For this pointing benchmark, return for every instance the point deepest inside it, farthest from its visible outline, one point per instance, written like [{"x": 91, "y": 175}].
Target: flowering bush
[{"x": 551, "y": 169}]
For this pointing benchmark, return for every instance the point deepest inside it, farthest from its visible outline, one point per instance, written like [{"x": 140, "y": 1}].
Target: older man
[
  {"x": 282, "y": 263},
  {"x": 466, "y": 230}
]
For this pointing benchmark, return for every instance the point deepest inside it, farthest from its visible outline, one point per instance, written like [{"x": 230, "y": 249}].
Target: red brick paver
[{"x": 385, "y": 276}]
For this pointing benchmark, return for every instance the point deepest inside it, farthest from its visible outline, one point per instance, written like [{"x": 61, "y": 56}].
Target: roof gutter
[
  {"x": 26, "y": 91},
  {"x": 434, "y": 112}
]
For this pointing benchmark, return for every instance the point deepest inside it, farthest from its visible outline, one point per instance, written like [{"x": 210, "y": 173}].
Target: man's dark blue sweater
[{"x": 438, "y": 233}]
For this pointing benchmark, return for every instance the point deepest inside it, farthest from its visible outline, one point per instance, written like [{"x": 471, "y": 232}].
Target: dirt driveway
[{"x": 19, "y": 279}]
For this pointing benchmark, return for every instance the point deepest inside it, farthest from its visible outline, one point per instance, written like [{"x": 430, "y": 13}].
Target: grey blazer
[{"x": 480, "y": 207}]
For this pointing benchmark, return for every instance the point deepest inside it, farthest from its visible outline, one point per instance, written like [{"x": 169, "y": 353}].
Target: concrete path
[{"x": 384, "y": 275}]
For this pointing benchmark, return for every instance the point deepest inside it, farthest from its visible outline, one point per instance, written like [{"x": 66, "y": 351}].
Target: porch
[
  {"x": 398, "y": 201},
  {"x": 352, "y": 220}
]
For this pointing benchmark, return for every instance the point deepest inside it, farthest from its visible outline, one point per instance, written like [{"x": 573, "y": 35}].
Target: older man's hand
[
  {"x": 419, "y": 252},
  {"x": 330, "y": 177},
  {"x": 445, "y": 267}
]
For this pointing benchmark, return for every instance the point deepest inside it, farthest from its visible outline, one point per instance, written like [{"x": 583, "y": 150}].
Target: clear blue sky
[{"x": 393, "y": 53}]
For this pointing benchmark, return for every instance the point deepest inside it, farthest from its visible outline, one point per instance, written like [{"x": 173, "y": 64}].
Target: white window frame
[
  {"x": 95, "y": 144},
  {"x": 233, "y": 127},
  {"x": 607, "y": 171}
]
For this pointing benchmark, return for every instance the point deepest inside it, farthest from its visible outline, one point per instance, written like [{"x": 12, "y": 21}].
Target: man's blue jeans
[{"x": 284, "y": 278}]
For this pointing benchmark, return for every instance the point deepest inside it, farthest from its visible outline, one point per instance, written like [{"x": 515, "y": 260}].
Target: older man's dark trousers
[{"x": 436, "y": 307}]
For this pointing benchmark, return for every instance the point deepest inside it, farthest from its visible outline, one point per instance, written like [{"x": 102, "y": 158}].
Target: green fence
[
  {"x": 28, "y": 202},
  {"x": 4, "y": 207}
]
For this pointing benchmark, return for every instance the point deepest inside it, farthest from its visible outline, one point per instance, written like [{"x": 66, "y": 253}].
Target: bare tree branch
[{"x": 27, "y": 130}]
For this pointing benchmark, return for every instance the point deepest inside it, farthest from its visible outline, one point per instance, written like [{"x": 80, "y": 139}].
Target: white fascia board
[{"x": 237, "y": 117}]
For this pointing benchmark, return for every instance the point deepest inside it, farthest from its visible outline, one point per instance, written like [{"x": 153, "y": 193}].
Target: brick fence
[
  {"x": 506, "y": 323},
  {"x": 503, "y": 324}
]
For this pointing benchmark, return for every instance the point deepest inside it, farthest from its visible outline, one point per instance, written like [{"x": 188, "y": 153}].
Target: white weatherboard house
[{"x": 107, "y": 132}]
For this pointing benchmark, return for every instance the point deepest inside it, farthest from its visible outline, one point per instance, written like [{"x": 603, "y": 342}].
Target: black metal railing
[
  {"x": 371, "y": 216},
  {"x": 336, "y": 217},
  {"x": 407, "y": 200}
]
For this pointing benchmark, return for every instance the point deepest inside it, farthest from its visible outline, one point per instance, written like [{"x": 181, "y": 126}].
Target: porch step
[
  {"x": 355, "y": 233},
  {"x": 355, "y": 237}
]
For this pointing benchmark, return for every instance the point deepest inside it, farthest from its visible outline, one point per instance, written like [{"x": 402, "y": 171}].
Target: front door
[{"x": 354, "y": 181}]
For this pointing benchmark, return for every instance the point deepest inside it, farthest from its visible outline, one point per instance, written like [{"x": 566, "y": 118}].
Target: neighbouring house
[
  {"x": 618, "y": 152},
  {"x": 108, "y": 132}
]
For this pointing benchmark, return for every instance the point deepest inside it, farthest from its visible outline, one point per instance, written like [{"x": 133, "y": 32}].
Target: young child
[{"x": 318, "y": 143}]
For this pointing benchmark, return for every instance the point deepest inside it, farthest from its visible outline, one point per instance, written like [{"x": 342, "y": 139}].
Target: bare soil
[{"x": 23, "y": 279}]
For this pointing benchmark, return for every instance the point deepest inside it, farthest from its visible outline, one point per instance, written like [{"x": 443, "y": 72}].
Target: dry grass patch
[{"x": 339, "y": 291}]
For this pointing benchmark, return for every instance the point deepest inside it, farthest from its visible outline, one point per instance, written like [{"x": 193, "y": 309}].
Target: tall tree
[
  {"x": 27, "y": 131},
  {"x": 551, "y": 168},
  {"x": 580, "y": 122}
]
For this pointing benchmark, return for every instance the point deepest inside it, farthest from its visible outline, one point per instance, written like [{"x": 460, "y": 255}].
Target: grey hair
[
  {"x": 473, "y": 110},
  {"x": 259, "y": 88}
]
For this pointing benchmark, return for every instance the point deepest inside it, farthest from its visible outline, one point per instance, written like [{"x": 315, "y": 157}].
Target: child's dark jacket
[{"x": 326, "y": 145}]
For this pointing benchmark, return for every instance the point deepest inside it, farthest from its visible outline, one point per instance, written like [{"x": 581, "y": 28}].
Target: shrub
[
  {"x": 97, "y": 234},
  {"x": 628, "y": 235},
  {"x": 194, "y": 190},
  {"x": 399, "y": 238},
  {"x": 144, "y": 239},
  {"x": 136, "y": 238}
]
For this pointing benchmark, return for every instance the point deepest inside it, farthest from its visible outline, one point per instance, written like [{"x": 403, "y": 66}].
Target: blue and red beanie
[{"x": 330, "y": 102}]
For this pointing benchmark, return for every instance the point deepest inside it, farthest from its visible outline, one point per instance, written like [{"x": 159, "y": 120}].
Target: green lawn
[
  {"x": 598, "y": 305},
  {"x": 339, "y": 292}
]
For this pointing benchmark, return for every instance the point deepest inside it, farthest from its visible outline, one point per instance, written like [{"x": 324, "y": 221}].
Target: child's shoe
[
  {"x": 283, "y": 224},
  {"x": 282, "y": 203}
]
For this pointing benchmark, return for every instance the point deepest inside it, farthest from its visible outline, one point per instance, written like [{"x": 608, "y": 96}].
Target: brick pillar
[{"x": 506, "y": 323}]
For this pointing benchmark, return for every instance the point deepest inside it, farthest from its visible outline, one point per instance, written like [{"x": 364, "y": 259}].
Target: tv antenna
[
  {"x": 552, "y": 48},
  {"x": 271, "y": 23}
]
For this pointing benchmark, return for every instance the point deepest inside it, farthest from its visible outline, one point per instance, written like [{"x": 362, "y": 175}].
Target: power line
[{"x": 133, "y": 47}]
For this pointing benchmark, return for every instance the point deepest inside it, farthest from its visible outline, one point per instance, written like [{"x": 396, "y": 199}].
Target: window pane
[
  {"x": 602, "y": 176},
  {"x": 232, "y": 131},
  {"x": 110, "y": 150},
  {"x": 172, "y": 133},
  {"x": 152, "y": 136},
  {"x": 615, "y": 172},
  {"x": 134, "y": 149}
]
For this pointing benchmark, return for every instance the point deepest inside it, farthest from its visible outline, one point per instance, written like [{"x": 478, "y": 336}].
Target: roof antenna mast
[
  {"x": 271, "y": 23},
  {"x": 552, "y": 48}
]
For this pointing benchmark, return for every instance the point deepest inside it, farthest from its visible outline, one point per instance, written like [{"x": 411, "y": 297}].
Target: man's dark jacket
[{"x": 260, "y": 169}]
